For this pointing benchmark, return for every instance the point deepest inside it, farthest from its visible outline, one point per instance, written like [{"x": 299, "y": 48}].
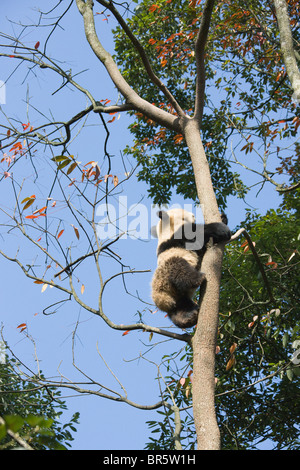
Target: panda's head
[{"x": 171, "y": 222}]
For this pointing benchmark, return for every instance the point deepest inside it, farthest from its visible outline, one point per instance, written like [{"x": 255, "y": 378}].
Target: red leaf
[
  {"x": 125, "y": 333},
  {"x": 153, "y": 8},
  {"x": 37, "y": 45},
  {"x": 60, "y": 234},
  {"x": 40, "y": 210},
  {"x": 16, "y": 146}
]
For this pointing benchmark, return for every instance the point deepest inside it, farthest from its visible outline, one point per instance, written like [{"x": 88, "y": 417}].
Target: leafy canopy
[{"x": 249, "y": 108}]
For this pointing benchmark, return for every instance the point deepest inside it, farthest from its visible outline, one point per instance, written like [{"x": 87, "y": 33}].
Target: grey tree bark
[{"x": 287, "y": 47}]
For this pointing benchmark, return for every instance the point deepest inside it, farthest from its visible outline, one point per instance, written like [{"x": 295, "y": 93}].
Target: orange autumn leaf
[
  {"x": 40, "y": 210},
  {"x": 17, "y": 146},
  {"x": 60, "y": 233},
  {"x": 153, "y": 8},
  {"x": 230, "y": 363},
  {"x": 76, "y": 231}
]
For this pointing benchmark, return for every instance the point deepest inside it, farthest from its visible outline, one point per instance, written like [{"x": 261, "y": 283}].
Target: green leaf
[
  {"x": 285, "y": 339},
  {"x": 289, "y": 374},
  {"x": 71, "y": 168},
  {"x": 60, "y": 158},
  {"x": 2, "y": 431},
  {"x": 63, "y": 164},
  {"x": 40, "y": 421},
  {"x": 13, "y": 422}
]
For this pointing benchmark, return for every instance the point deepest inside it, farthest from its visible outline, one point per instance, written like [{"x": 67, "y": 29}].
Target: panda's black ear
[
  {"x": 224, "y": 218},
  {"x": 160, "y": 214}
]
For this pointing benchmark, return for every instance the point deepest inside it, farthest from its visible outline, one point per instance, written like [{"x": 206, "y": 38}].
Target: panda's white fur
[{"x": 178, "y": 274}]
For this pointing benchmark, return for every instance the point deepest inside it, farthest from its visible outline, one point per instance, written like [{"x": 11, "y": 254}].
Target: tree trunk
[
  {"x": 204, "y": 341},
  {"x": 287, "y": 46}
]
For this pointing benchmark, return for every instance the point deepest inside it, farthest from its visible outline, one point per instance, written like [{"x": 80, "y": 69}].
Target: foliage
[
  {"x": 249, "y": 104},
  {"x": 167, "y": 34},
  {"x": 256, "y": 342},
  {"x": 250, "y": 121},
  {"x": 258, "y": 337},
  {"x": 33, "y": 412}
]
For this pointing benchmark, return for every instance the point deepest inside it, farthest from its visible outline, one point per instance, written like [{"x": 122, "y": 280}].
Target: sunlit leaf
[
  {"x": 30, "y": 200},
  {"x": 60, "y": 233}
]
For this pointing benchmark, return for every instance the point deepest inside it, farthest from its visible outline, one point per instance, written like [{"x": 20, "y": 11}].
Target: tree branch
[
  {"x": 16, "y": 437},
  {"x": 200, "y": 58},
  {"x": 132, "y": 98},
  {"x": 141, "y": 51}
]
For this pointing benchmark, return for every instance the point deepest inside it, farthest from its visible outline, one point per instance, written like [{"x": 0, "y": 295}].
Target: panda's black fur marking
[{"x": 178, "y": 274}]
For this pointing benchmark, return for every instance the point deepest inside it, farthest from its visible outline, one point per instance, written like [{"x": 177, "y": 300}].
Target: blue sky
[{"x": 103, "y": 424}]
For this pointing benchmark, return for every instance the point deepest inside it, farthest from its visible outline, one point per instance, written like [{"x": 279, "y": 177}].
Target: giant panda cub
[{"x": 181, "y": 246}]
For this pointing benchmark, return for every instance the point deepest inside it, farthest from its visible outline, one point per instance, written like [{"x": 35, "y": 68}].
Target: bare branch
[
  {"x": 200, "y": 58},
  {"x": 132, "y": 98}
]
